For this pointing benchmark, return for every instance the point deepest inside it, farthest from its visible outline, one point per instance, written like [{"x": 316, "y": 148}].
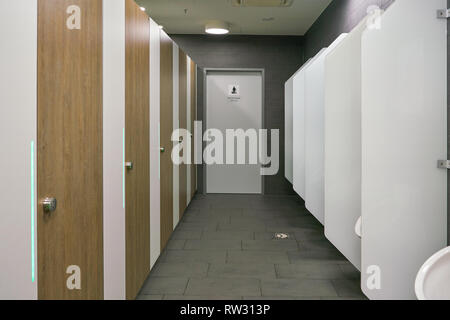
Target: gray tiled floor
[{"x": 224, "y": 249}]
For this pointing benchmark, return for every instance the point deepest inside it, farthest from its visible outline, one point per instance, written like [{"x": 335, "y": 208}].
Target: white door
[
  {"x": 404, "y": 134},
  {"x": 234, "y": 101}
]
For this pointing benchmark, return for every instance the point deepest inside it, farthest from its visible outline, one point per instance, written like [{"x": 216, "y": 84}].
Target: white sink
[{"x": 433, "y": 279}]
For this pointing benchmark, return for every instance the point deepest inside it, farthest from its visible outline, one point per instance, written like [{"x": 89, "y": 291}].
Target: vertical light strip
[
  {"x": 123, "y": 168},
  {"x": 32, "y": 214}
]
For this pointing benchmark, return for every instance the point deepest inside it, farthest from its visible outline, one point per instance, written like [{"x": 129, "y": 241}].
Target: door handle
[
  {"x": 129, "y": 165},
  {"x": 49, "y": 204}
]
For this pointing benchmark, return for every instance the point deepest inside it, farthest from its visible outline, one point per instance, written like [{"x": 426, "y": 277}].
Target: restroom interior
[{"x": 140, "y": 226}]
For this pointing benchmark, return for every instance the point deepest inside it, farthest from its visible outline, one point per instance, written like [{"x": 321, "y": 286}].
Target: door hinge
[
  {"x": 444, "y": 164},
  {"x": 443, "y": 14}
]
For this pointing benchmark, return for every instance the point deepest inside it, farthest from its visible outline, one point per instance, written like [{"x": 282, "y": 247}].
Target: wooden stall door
[
  {"x": 69, "y": 152},
  {"x": 166, "y": 128},
  {"x": 137, "y": 149}
]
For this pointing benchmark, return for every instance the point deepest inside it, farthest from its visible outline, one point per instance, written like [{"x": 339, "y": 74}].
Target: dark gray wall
[
  {"x": 341, "y": 16},
  {"x": 280, "y": 57}
]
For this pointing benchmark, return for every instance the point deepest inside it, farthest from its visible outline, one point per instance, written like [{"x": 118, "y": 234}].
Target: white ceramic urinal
[{"x": 433, "y": 279}]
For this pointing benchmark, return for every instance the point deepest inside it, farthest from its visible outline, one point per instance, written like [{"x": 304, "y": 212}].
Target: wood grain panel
[
  {"x": 166, "y": 128},
  {"x": 70, "y": 149},
  {"x": 193, "y": 167},
  {"x": 183, "y": 125},
  {"x": 137, "y": 108}
]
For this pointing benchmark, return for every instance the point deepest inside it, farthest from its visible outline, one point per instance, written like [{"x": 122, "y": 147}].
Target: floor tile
[
  {"x": 257, "y": 257},
  {"x": 222, "y": 244},
  {"x": 185, "y": 256},
  {"x": 348, "y": 288},
  {"x": 164, "y": 285},
  {"x": 187, "y": 235},
  {"x": 228, "y": 235},
  {"x": 298, "y": 288},
  {"x": 180, "y": 269},
  {"x": 242, "y": 270},
  {"x": 309, "y": 270},
  {"x": 149, "y": 297},
  {"x": 174, "y": 244},
  {"x": 269, "y": 245},
  {"x": 224, "y": 287}
]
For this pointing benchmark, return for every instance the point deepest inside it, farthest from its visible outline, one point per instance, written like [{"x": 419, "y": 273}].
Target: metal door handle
[
  {"x": 49, "y": 204},
  {"x": 129, "y": 165}
]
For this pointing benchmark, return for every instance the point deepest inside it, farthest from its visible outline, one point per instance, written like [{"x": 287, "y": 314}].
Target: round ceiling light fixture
[{"x": 217, "y": 27}]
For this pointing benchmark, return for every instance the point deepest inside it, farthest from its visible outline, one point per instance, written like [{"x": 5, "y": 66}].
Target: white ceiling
[{"x": 190, "y": 16}]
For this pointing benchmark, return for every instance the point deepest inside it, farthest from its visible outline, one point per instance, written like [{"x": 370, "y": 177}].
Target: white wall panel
[
  {"x": 176, "y": 125},
  {"x": 404, "y": 133},
  {"x": 188, "y": 122},
  {"x": 155, "y": 185},
  {"x": 288, "y": 123},
  {"x": 113, "y": 148},
  {"x": 298, "y": 118},
  {"x": 343, "y": 145},
  {"x": 18, "y": 65},
  {"x": 314, "y": 132}
]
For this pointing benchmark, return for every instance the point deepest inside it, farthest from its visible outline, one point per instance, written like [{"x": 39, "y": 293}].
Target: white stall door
[
  {"x": 404, "y": 134},
  {"x": 343, "y": 145},
  {"x": 234, "y": 101},
  {"x": 298, "y": 116},
  {"x": 314, "y": 132}
]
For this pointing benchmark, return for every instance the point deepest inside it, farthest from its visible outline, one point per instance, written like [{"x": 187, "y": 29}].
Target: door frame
[{"x": 207, "y": 71}]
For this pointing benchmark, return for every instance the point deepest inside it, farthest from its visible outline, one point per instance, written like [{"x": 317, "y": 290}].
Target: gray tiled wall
[
  {"x": 341, "y": 16},
  {"x": 280, "y": 57}
]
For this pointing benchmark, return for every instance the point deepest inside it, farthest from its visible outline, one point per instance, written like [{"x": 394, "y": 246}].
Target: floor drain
[{"x": 281, "y": 236}]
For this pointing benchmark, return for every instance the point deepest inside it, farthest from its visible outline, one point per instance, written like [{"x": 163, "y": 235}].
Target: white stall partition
[
  {"x": 18, "y": 106},
  {"x": 176, "y": 125},
  {"x": 298, "y": 117},
  {"x": 404, "y": 134},
  {"x": 113, "y": 149},
  {"x": 314, "y": 132},
  {"x": 288, "y": 135},
  {"x": 342, "y": 171},
  {"x": 155, "y": 144}
]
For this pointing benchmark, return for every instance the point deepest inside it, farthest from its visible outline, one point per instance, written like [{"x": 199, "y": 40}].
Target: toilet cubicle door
[
  {"x": 69, "y": 150},
  {"x": 166, "y": 127},
  {"x": 234, "y": 100},
  {"x": 193, "y": 112},
  {"x": 298, "y": 130},
  {"x": 342, "y": 171},
  {"x": 137, "y": 144},
  {"x": 183, "y": 125},
  {"x": 314, "y": 132},
  {"x": 404, "y": 134}
]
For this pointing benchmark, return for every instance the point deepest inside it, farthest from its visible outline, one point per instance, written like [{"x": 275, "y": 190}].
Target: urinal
[
  {"x": 358, "y": 227},
  {"x": 433, "y": 279}
]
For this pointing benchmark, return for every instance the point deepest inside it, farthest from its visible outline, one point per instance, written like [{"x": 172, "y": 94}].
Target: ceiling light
[
  {"x": 142, "y": 9},
  {"x": 161, "y": 27},
  {"x": 217, "y": 27}
]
